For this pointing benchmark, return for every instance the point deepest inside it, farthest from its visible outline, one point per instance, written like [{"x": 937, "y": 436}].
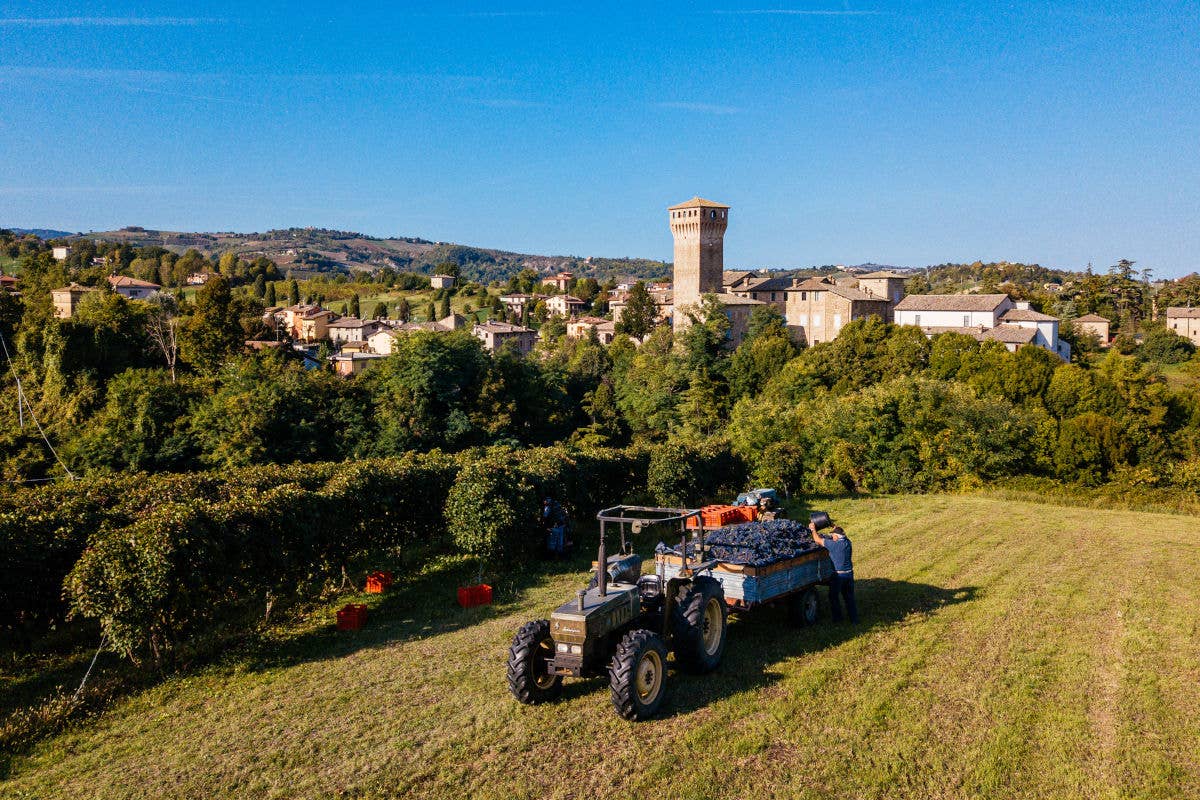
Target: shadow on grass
[{"x": 763, "y": 637}]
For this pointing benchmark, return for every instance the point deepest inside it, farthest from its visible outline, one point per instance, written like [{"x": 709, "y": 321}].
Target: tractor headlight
[
  {"x": 562, "y": 647},
  {"x": 577, "y": 649}
]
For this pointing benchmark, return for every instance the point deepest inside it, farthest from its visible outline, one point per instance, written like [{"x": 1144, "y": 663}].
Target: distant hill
[
  {"x": 41, "y": 233},
  {"x": 308, "y": 251}
]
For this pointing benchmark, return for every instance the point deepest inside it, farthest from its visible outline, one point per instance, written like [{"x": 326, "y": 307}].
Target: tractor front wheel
[
  {"x": 699, "y": 626},
  {"x": 529, "y": 678},
  {"x": 638, "y": 675}
]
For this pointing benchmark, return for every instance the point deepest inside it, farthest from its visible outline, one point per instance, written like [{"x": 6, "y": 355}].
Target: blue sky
[{"x": 840, "y": 131}]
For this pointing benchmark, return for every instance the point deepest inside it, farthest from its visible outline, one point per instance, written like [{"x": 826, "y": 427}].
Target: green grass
[{"x": 1008, "y": 649}]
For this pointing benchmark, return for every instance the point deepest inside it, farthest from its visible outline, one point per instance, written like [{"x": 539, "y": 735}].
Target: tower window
[{"x": 712, "y": 214}]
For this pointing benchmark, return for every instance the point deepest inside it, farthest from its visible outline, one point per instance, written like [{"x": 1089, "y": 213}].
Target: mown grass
[{"x": 1008, "y": 649}]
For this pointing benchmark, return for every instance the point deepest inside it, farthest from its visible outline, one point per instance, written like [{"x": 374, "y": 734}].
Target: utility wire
[{"x": 22, "y": 398}]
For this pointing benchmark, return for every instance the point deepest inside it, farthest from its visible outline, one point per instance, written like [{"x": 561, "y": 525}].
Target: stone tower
[{"x": 699, "y": 230}]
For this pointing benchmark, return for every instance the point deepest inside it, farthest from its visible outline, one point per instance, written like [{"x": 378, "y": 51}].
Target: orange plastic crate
[
  {"x": 470, "y": 596},
  {"x": 717, "y": 516},
  {"x": 379, "y": 582},
  {"x": 351, "y": 617}
]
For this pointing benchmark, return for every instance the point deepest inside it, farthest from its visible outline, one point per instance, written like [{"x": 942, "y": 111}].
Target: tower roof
[{"x": 697, "y": 202}]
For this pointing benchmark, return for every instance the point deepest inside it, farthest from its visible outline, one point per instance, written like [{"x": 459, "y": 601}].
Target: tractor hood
[{"x": 598, "y": 616}]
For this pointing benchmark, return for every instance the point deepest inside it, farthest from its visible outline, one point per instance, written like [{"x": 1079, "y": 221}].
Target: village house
[
  {"x": 67, "y": 299},
  {"x": 606, "y": 330},
  {"x": 495, "y": 335},
  {"x": 1185, "y": 322},
  {"x": 382, "y": 340},
  {"x": 885, "y": 285},
  {"x": 663, "y": 301},
  {"x": 305, "y": 322},
  {"x": 517, "y": 302},
  {"x": 132, "y": 288},
  {"x": 351, "y": 329},
  {"x": 60, "y": 253},
  {"x": 441, "y": 281},
  {"x": 351, "y": 363},
  {"x": 986, "y": 317},
  {"x": 8, "y": 283},
  {"x": 818, "y": 309},
  {"x": 1094, "y": 325},
  {"x": 564, "y": 305},
  {"x": 765, "y": 289},
  {"x": 561, "y": 281}
]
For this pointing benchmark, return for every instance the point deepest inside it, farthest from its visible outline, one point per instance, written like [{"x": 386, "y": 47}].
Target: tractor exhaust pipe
[{"x": 602, "y": 566}]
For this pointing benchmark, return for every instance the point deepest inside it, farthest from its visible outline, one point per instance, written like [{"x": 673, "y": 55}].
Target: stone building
[
  {"x": 817, "y": 309},
  {"x": 132, "y": 288},
  {"x": 1185, "y": 322},
  {"x": 1095, "y": 325},
  {"x": 67, "y": 299},
  {"x": 495, "y": 335},
  {"x": 441, "y": 281}
]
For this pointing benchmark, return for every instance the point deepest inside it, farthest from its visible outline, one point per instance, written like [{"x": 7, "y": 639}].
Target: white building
[
  {"x": 352, "y": 329},
  {"x": 987, "y": 317},
  {"x": 61, "y": 253},
  {"x": 132, "y": 287},
  {"x": 564, "y": 305}
]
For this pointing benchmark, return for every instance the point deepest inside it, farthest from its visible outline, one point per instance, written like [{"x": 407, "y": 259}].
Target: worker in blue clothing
[{"x": 842, "y": 580}]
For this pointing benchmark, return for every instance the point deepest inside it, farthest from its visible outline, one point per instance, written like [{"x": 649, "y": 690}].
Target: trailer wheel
[
  {"x": 528, "y": 676},
  {"x": 699, "y": 626},
  {"x": 803, "y": 609},
  {"x": 637, "y": 675}
]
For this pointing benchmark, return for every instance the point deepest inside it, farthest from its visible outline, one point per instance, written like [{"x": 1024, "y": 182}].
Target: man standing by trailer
[{"x": 842, "y": 581}]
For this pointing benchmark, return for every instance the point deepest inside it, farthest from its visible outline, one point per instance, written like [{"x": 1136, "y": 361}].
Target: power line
[{"x": 22, "y": 399}]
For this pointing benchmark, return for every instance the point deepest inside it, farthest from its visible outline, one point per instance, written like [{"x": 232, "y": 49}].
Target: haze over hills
[{"x": 307, "y": 251}]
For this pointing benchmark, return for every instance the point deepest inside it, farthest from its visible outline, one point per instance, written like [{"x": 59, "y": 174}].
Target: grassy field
[{"x": 1007, "y": 650}]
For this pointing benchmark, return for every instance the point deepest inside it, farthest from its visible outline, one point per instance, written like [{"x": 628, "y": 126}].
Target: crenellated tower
[{"x": 699, "y": 230}]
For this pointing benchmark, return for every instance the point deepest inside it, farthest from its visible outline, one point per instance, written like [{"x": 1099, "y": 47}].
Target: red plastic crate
[
  {"x": 717, "y": 517},
  {"x": 470, "y": 596},
  {"x": 351, "y": 617},
  {"x": 379, "y": 582}
]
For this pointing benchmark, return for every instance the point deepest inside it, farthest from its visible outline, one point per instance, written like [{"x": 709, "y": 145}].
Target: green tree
[
  {"x": 355, "y": 309},
  {"x": 430, "y": 312},
  {"x": 444, "y": 307},
  {"x": 260, "y": 287},
  {"x": 640, "y": 314},
  {"x": 403, "y": 310},
  {"x": 214, "y": 330},
  {"x": 269, "y": 295},
  {"x": 293, "y": 293}
]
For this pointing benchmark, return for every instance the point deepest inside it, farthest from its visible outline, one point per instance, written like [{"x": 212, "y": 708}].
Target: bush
[{"x": 682, "y": 473}]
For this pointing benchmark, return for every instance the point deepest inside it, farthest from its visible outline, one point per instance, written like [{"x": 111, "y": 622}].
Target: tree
[
  {"x": 640, "y": 312},
  {"x": 355, "y": 306},
  {"x": 293, "y": 293},
  {"x": 403, "y": 310},
  {"x": 269, "y": 294},
  {"x": 447, "y": 268},
  {"x": 381, "y": 311},
  {"x": 430, "y": 312},
  {"x": 214, "y": 330},
  {"x": 162, "y": 328},
  {"x": 444, "y": 307},
  {"x": 260, "y": 287}
]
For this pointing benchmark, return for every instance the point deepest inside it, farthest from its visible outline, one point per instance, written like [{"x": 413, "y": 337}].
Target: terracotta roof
[
  {"x": 884, "y": 274},
  {"x": 769, "y": 285},
  {"x": 697, "y": 202},
  {"x": 349, "y": 322},
  {"x": 1009, "y": 334},
  {"x": 502, "y": 327},
  {"x": 1026, "y": 315},
  {"x": 123, "y": 280},
  {"x": 1180, "y": 311},
  {"x": 951, "y": 302},
  {"x": 588, "y": 321},
  {"x": 813, "y": 285},
  {"x": 855, "y": 295},
  {"x": 1092, "y": 318}
]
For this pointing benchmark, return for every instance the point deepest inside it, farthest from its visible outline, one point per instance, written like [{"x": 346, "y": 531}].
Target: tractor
[{"x": 624, "y": 623}]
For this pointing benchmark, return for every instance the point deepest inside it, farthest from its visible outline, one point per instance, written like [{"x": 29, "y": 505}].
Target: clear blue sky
[{"x": 840, "y": 131}]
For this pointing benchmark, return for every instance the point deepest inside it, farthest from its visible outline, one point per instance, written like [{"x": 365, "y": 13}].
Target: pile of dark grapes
[{"x": 756, "y": 543}]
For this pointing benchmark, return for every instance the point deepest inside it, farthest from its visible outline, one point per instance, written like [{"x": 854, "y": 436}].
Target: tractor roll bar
[{"x": 635, "y": 517}]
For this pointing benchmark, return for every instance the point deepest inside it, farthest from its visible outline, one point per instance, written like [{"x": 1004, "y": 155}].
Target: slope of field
[{"x": 1007, "y": 650}]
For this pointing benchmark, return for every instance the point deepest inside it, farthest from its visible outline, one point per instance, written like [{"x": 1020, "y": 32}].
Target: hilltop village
[{"x": 815, "y": 308}]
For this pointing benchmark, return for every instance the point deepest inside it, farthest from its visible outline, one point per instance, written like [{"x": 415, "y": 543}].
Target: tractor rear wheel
[
  {"x": 803, "y": 609},
  {"x": 699, "y": 626},
  {"x": 529, "y": 678},
  {"x": 637, "y": 675}
]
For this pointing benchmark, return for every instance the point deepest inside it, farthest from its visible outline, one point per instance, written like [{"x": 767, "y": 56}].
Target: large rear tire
[
  {"x": 529, "y": 679},
  {"x": 699, "y": 626},
  {"x": 637, "y": 675}
]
